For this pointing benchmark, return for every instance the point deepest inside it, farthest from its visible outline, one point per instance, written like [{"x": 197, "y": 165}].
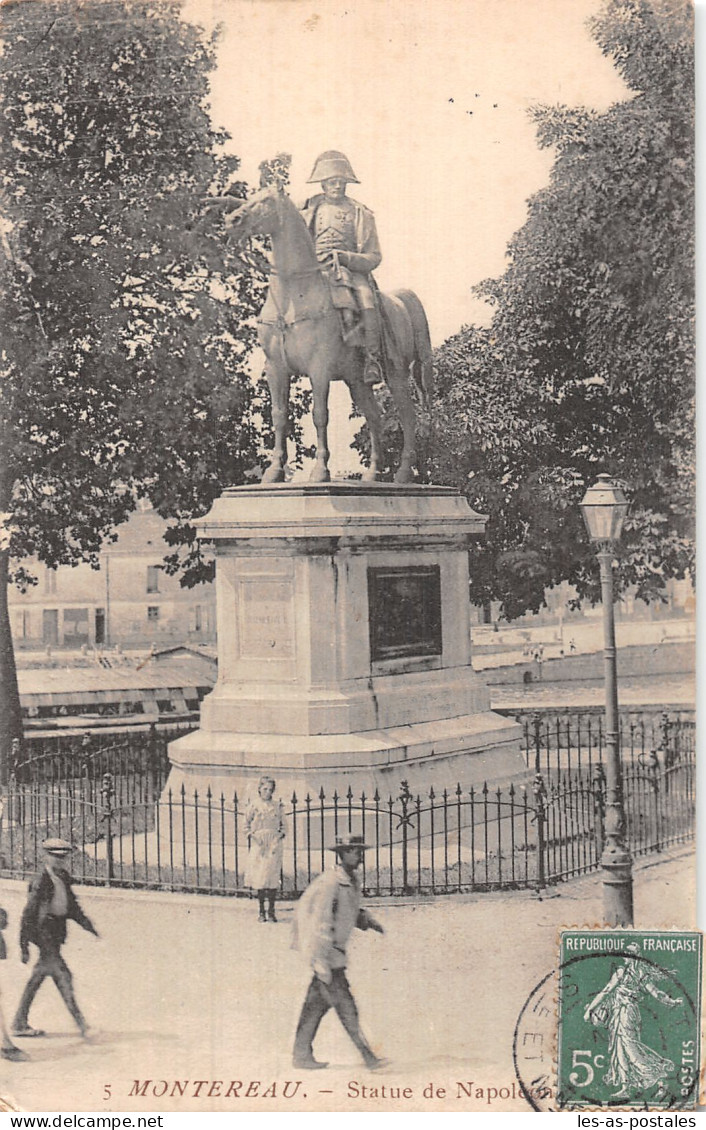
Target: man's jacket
[
  {"x": 326, "y": 915},
  {"x": 367, "y": 255},
  {"x": 38, "y": 909}
]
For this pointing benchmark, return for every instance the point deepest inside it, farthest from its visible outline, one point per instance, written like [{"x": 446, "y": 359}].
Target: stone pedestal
[{"x": 344, "y": 652}]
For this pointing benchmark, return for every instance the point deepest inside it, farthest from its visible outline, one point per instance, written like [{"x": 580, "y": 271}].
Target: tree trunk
[{"x": 10, "y": 711}]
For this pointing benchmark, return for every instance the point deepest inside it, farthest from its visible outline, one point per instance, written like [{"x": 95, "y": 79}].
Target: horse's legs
[
  {"x": 364, "y": 400},
  {"x": 320, "y": 378},
  {"x": 279, "y": 381},
  {"x": 398, "y": 383}
]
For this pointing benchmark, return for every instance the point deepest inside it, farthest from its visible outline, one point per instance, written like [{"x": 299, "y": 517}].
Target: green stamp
[{"x": 629, "y": 1019}]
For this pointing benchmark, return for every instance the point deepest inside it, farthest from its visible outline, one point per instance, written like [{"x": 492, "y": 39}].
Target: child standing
[{"x": 266, "y": 831}]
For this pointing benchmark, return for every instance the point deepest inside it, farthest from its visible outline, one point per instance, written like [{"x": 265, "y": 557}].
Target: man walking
[
  {"x": 8, "y": 1050},
  {"x": 327, "y": 913},
  {"x": 51, "y": 902}
]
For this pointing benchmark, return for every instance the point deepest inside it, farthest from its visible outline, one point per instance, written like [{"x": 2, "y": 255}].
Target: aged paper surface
[{"x": 193, "y": 1002}]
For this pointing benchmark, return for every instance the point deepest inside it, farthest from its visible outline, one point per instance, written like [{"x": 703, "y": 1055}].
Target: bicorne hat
[{"x": 332, "y": 164}]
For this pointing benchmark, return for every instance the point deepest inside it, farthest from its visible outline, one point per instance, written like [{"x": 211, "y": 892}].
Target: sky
[{"x": 429, "y": 100}]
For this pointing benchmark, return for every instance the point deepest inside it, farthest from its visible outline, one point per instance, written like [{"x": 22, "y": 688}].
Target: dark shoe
[
  {"x": 372, "y": 373},
  {"x": 307, "y": 1064},
  {"x": 376, "y": 1064},
  {"x": 261, "y": 916},
  {"x": 13, "y": 1053},
  {"x": 272, "y": 917},
  {"x": 28, "y": 1031}
]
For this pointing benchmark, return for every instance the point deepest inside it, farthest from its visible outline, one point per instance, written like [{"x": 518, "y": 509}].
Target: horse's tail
[{"x": 422, "y": 368}]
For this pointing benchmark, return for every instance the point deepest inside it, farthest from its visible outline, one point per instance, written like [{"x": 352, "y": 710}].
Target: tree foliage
[
  {"x": 128, "y": 321},
  {"x": 588, "y": 364}
]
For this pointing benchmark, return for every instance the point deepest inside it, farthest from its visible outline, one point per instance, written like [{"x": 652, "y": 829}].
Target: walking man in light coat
[{"x": 327, "y": 913}]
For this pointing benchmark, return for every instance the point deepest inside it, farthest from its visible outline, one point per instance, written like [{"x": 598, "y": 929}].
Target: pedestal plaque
[
  {"x": 404, "y": 611},
  {"x": 266, "y": 619}
]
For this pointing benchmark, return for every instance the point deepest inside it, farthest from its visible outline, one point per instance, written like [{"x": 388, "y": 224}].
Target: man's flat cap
[{"x": 57, "y": 847}]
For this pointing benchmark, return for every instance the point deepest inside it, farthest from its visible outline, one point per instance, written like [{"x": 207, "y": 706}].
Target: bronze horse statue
[{"x": 301, "y": 332}]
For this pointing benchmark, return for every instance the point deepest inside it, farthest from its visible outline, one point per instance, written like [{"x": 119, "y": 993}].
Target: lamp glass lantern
[{"x": 604, "y": 507}]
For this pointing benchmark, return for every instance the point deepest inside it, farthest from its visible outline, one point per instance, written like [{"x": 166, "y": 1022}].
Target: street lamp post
[{"x": 604, "y": 507}]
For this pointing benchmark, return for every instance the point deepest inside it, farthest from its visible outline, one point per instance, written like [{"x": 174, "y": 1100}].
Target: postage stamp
[{"x": 629, "y": 1019}]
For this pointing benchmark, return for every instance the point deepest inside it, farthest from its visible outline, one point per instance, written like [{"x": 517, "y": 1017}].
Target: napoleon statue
[
  {"x": 347, "y": 246},
  {"x": 309, "y": 328}
]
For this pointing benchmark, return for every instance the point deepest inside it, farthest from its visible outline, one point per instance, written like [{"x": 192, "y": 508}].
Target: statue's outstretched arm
[{"x": 615, "y": 979}]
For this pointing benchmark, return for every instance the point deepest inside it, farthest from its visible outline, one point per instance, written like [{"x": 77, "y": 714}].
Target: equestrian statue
[{"x": 324, "y": 316}]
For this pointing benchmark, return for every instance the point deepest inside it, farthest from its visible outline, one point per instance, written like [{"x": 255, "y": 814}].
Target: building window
[
  {"x": 75, "y": 626},
  {"x": 50, "y": 625},
  {"x": 153, "y": 578},
  {"x": 100, "y": 625},
  {"x": 50, "y": 580},
  {"x": 198, "y": 618},
  {"x": 153, "y": 612}
]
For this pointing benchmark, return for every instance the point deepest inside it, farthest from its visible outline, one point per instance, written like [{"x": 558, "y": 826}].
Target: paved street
[{"x": 186, "y": 988}]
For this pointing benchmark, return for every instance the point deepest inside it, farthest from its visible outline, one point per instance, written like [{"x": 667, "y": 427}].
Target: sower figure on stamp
[
  {"x": 632, "y": 1065},
  {"x": 51, "y": 902},
  {"x": 347, "y": 245},
  {"x": 327, "y": 913},
  {"x": 266, "y": 830}
]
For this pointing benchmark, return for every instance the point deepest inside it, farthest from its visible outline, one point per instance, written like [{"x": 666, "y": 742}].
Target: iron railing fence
[
  {"x": 527, "y": 834},
  {"x": 558, "y": 745},
  {"x": 138, "y": 761},
  {"x": 571, "y": 745}
]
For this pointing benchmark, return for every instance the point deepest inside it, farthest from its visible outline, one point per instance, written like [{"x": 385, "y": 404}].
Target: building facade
[{"x": 128, "y": 602}]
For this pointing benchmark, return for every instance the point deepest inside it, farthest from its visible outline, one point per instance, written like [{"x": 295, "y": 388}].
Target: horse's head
[{"x": 260, "y": 214}]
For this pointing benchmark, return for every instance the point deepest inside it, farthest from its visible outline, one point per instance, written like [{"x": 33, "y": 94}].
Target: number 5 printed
[{"x": 579, "y": 1060}]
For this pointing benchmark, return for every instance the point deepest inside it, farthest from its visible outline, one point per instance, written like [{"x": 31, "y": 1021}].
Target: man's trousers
[
  {"x": 50, "y": 964},
  {"x": 319, "y": 999}
]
